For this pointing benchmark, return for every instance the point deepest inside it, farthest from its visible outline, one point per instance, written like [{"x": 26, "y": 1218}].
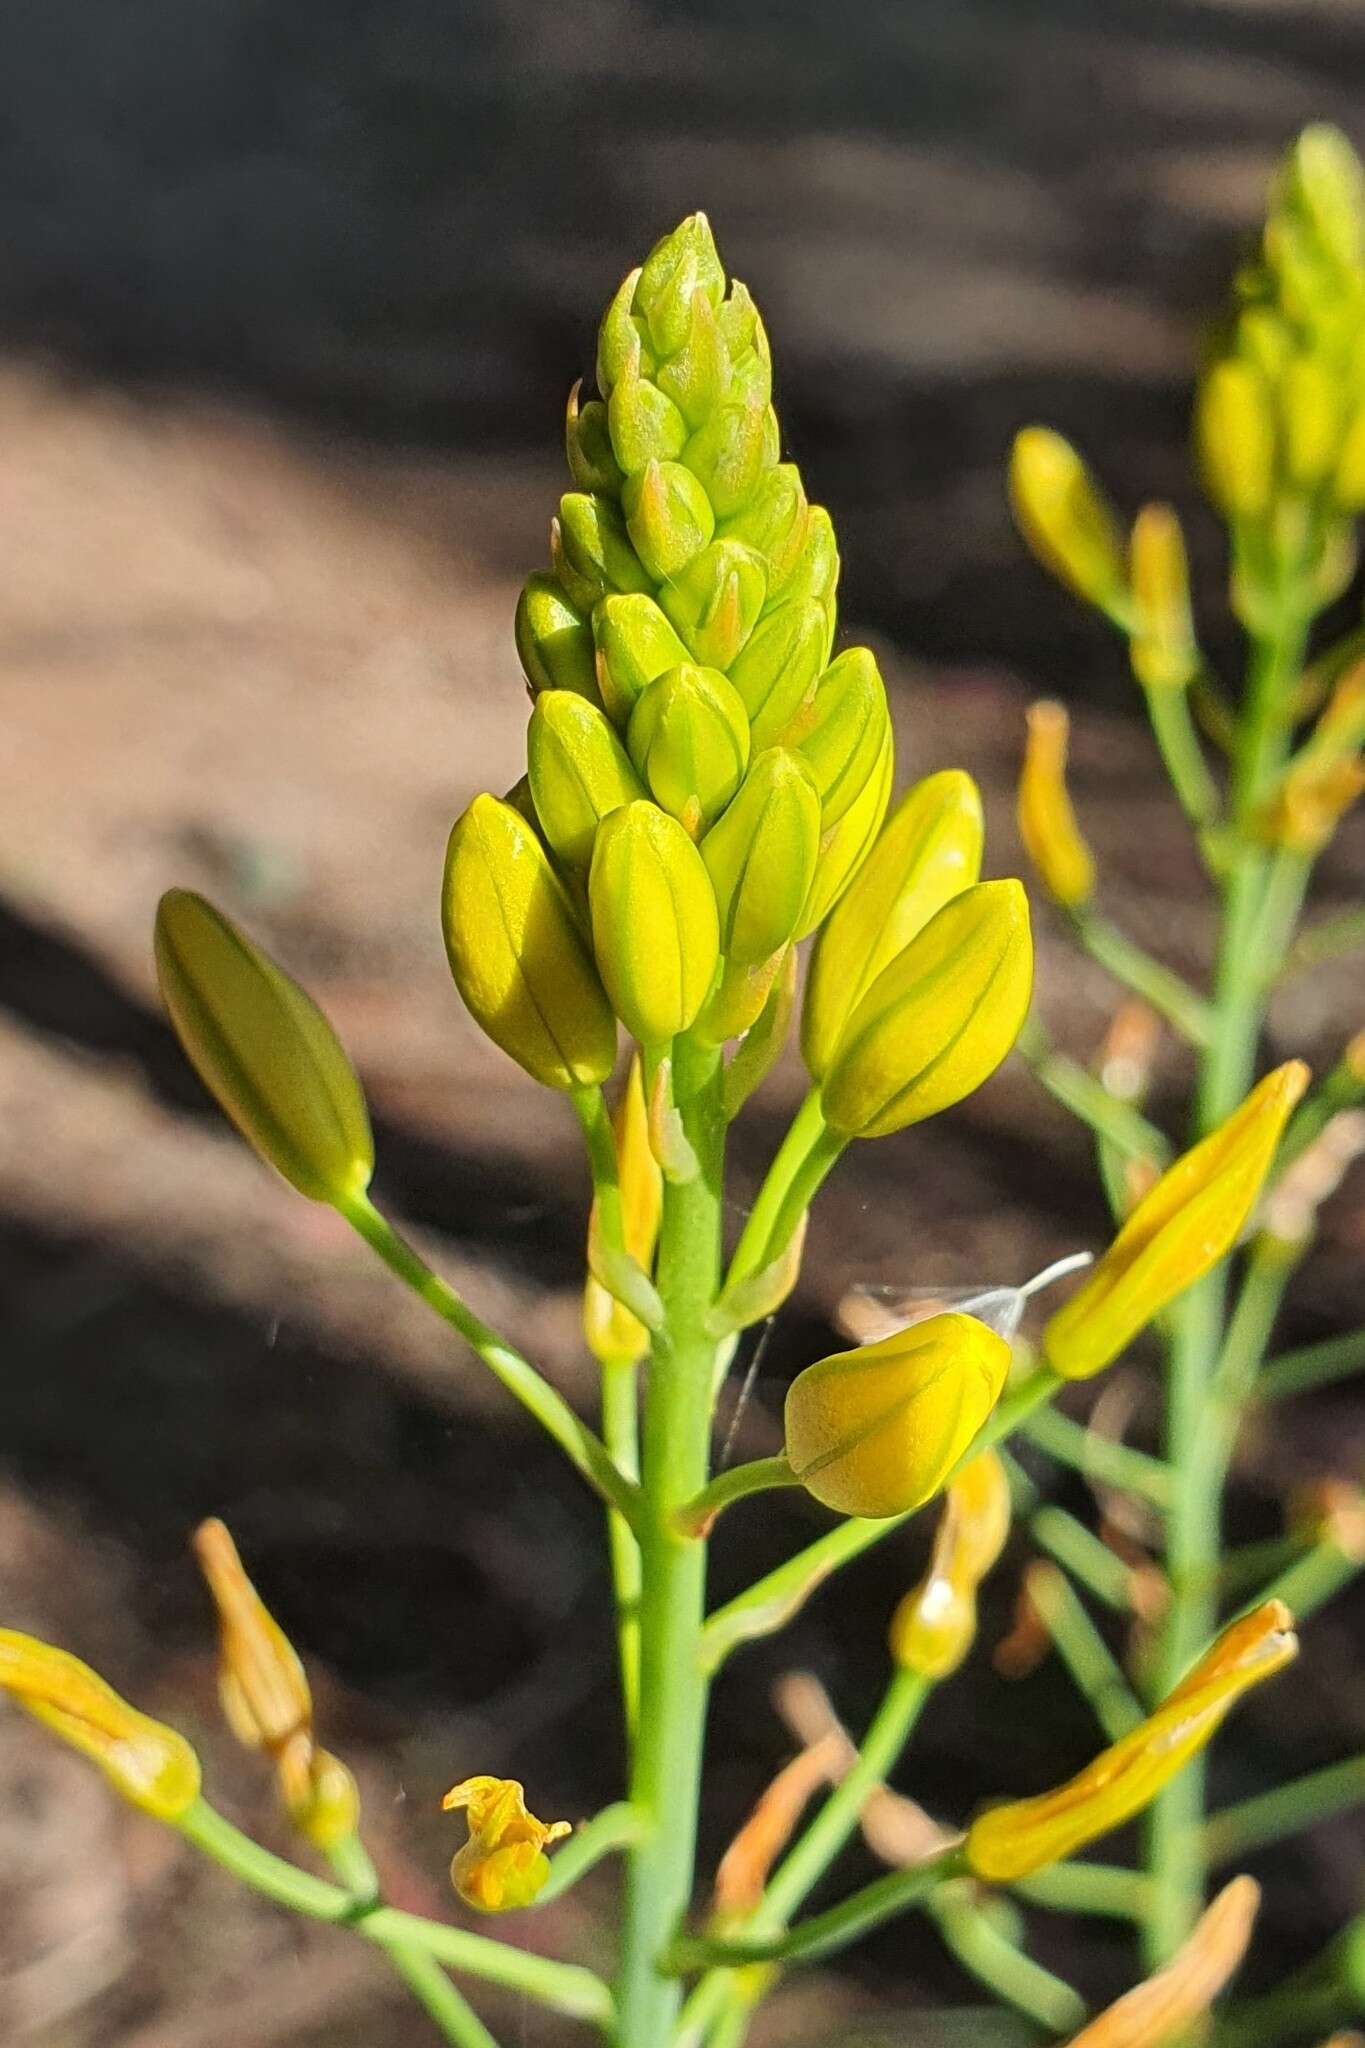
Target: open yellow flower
[{"x": 503, "y": 1865}]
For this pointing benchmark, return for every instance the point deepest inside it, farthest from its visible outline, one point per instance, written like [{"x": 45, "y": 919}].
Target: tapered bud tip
[
  {"x": 876, "y": 1431},
  {"x": 264, "y": 1049},
  {"x": 689, "y": 738},
  {"x": 578, "y": 772},
  {"x": 933, "y": 1628},
  {"x": 1066, "y": 520},
  {"x": 554, "y": 640},
  {"x": 1047, "y": 822},
  {"x": 654, "y": 921}
]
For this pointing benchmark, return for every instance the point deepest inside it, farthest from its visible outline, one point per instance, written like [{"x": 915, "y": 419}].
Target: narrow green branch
[
  {"x": 1172, "y": 998},
  {"x": 1328, "y": 940},
  {"x": 973, "y": 1933},
  {"x": 804, "y": 1157},
  {"x": 1102, "y": 1889},
  {"x": 1083, "y": 1650},
  {"x": 1089, "y": 1560},
  {"x": 1253, "y": 1824},
  {"x": 447, "y": 2007},
  {"x": 1069, "y": 1083},
  {"x": 1098, "y": 1457},
  {"x": 612, "y": 1264},
  {"x": 621, "y": 1436},
  {"x": 1312, "y": 1366},
  {"x": 737, "y": 1482},
  {"x": 613, "y": 1829},
  {"x": 1178, "y": 742},
  {"x": 826, "y": 1933},
  {"x": 583, "y": 1449},
  {"x": 1314, "y": 1579}
]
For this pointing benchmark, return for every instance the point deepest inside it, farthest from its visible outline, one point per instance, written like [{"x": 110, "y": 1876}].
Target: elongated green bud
[
  {"x": 1310, "y": 420},
  {"x": 654, "y": 925},
  {"x": 761, "y": 857},
  {"x": 715, "y": 602},
  {"x": 730, "y": 453},
  {"x": 591, "y": 550},
  {"x": 554, "y": 640},
  {"x": 587, "y": 445},
  {"x": 781, "y": 663},
  {"x": 644, "y": 424},
  {"x": 773, "y": 523},
  {"x": 681, "y": 264},
  {"x": 939, "y": 1020},
  {"x": 845, "y": 846},
  {"x": 517, "y": 954},
  {"x": 840, "y": 736},
  {"x": 635, "y": 643},
  {"x": 815, "y": 572},
  {"x": 929, "y": 852},
  {"x": 689, "y": 738},
  {"x": 1162, "y": 647},
  {"x": 622, "y": 339},
  {"x": 578, "y": 772},
  {"x": 668, "y": 517},
  {"x": 264, "y": 1049},
  {"x": 698, "y": 376}
]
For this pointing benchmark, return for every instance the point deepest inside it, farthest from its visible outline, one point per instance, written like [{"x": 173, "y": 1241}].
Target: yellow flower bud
[
  {"x": 761, "y": 857},
  {"x": 1348, "y": 482},
  {"x": 1065, "y": 518},
  {"x": 614, "y": 1335},
  {"x": 841, "y": 732},
  {"x": 715, "y": 601},
  {"x": 517, "y": 954},
  {"x": 939, "y": 1020},
  {"x": 1235, "y": 436},
  {"x": 668, "y": 516},
  {"x": 689, "y": 738},
  {"x": 697, "y": 377},
  {"x": 320, "y": 1795},
  {"x": 845, "y": 847},
  {"x": 1310, "y": 419},
  {"x": 1010, "y": 1842},
  {"x": 1162, "y": 646},
  {"x": 1177, "y": 1233},
  {"x": 928, "y": 852},
  {"x": 681, "y": 264},
  {"x": 730, "y": 450},
  {"x": 644, "y": 424},
  {"x": 778, "y": 669},
  {"x": 1047, "y": 822},
  {"x": 654, "y": 924},
  {"x": 147, "y": 1764},
  {"x": 1311, "y": 801},
  {"x": 554, "y": 640},
  {"x": 773, "y": 523},
  {"x": 876, "y": 1431},
  {"x": 816, "y": 570},
  {"x": 635, "y": 643},
  {"x": 264, "y": 1049},
  {"x": 503, "y": 1865},
  {"x": 621, "y": 338},
  {"x": 591, "y": 550},
  {"x": 935, "y": 1624},
  {"x": 578, "y": 772}
]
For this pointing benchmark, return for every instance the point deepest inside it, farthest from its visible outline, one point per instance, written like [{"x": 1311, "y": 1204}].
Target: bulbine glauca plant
[{"x": 709, "y": 784}]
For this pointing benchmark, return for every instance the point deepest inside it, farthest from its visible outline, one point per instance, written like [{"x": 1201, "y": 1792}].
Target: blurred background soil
[{"x": 290, "y": 300}]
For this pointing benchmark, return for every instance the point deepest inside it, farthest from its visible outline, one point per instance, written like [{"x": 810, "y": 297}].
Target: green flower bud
[
  {"x": 840, "y": 735},
  {"x": 554, "y": 640},
  {"x": 621, "y": 342},
  {"x": 737, "y": 318},
  {"x": 679, "y": 266},
  {"x": 264, "y": 1049},
  {"x": 689, "y": 738},
  {"x": 591, "y": 549},
  {"x": 1310, "y": 419},
  {"x": 645, "y": 426},
  {"x": 929, "y": 852},
  {"x": 816, "y": 572},
  {"x": 668, "y": 516},
  {"x": 697, "y": 378},
  {"x": 1348, "y": 483},
  {"x": 1324, "y": 180},
  {"x": 773, "y": 523},
  {"x": 845, "y": 847},
  {"x": 938, "y": 1020},
  {"x": 517, "y": 953},
  {"x": 716, "y": 600},
  {"x": 578, "y": 772},
  {"x": 1235, "y": 433},
  {"x": 654, "y": 924},
  {"x": 635, "y": 643},
  {"x": 729, "y": 453},
  {"x": 761, "y": 857},
  {"x": 587, "y": 443},
  {"x": 778, "y": 667}
]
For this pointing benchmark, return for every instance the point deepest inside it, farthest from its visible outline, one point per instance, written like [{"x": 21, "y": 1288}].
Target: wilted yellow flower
[
  {"x": 655, "y": 927},
  {"x": 876, "y": 1431},
  {"x": 1162, "y": 644},
  {"x": 614, "y": 1335},
  {"x": 1163, "y": 2009},
  {"x": 933, "y": 1627},
  {"x": 1235, "y": 435},
  {"x": 503, "y": 1865},
  {"x": 1065, "y": 518},
  {"x": 1177, "y": 1232},
  {"x": 1010, "y": 1842},
  {"x": 266, "y": 1698},
  {"x": 1047, "y": 822},
  {"x": 937, "y": 1022},
  {"x": 147, "y": 1764},
  {"x": 928, "y": 852},
  {"x": 517, "y": 953},
  {"x": 264, "y": 1048}
]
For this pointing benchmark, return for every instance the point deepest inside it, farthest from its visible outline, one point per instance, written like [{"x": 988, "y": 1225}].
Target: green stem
[
  {"x": 1320, "y": 1996},
  {"x": 804, "y": 1134},
  {"x": 1173, "y": 729},
  {"x": 1168, "y": 995},
  {"x": 1086, "y": 1655},
  {"x": 1270, "y": 1267},
  {"x": 1253, "y": 1824},
  {"x": 585, "y": 1451},
  {"x": 1328, "y": 940},
  {"x": 563, "y": 1987},
  {"x": 987, "y": 1953},
  {"x": 1099, "y": 1458},
  {"x": 621, "y": 1435},
  {"x": 1102, "y": 1889},
  {"x": 447, "y": 2008},
  {"x": 1313, "y": 1579},
  {"x": 1067, "y": 1082},
  {"x": 666, "y": 1769},
  {"x": 614, "y": 1828},
  {"x": 826, "y": 1933},
  {"x": 736, "y": 1483},
  {"x": 1085, "y": 1555},
  {"x": 1313, "y": 1366},
  {"x": 771, "y": 1601}
]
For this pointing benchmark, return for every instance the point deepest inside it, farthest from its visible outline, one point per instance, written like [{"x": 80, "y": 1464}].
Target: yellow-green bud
[
  {"x": 1310, "y": 417},
  {"x": 587, "y": 444},
  {"x": 264, "y": 1049},
  {"x": 645, "y": 426},
  {"x": 591, "y": 549},
  {"x": 517, "y": 953},
  {"x": 668, "y": 516},
  {"x": 654, "y": 924},
  {"x": 1264, "y": 340},
  {"x": 939, "y": 1020},
  {"x": 840, "y": 735},
  {"x": 779, "y": 666},
  {"x": 1162, "y": 646},
  {"x": 1235, "y": 436},
  {"x": 773, "y": 523},
  {"x": 1348, "y": 483},
  {"x": 816, "y": 569},
  {"x": 1324, "y": 177},
  {"x": 697, "y": 377},
  {"x": 845, "y": 847},
  {"x": 1065, "y": 518},
  {"x": 737, "y": 318},
  {"x": 761, "y": 857},
  {"x": 729, "y": 452},
  {"x": 554, "y": 640},
  {"x": 689, "y": 738},
  {"x": 715, "y": 601},
  {"x": 635, "y": 643},
  {"x": 681, "y": 264},
  {"x": 578, "y": 772},
  {"x": 622, "y": 339},
  {"x": 875, "y": 1432},
  {"x": 929, "y": 852}
]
